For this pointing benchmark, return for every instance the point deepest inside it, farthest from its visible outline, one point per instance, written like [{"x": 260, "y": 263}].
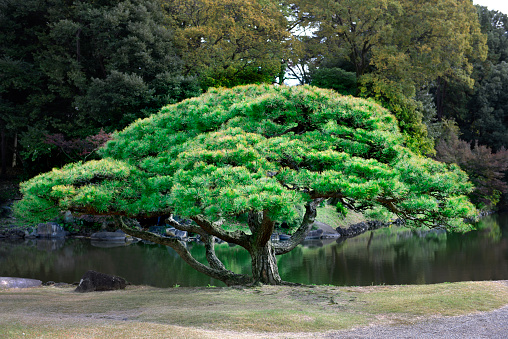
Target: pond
[{"x": 384, "y": 256}]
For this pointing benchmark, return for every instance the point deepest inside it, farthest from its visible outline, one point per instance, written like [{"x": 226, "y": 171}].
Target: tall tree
[
  {"x": 393, "y": 57},
  {"x": 21, "y": 82},
  {"x": 237, "y": 162},
  {"x": 482, "y": 113},
  {"x": 487, "y": 121},
  {"x": 74, "y": 67},
  {"x": 230, "y": 42}
]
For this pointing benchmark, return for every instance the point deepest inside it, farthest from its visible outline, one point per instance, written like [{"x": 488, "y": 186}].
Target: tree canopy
[{"x": 237, "y": 162}]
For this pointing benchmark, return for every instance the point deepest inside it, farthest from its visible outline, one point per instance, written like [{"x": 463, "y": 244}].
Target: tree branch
[
  {"x": 182, "y": 227},
  {"x": 236, "y": 237},
  {"x": 302, "y": 231},
  {"x": 131, "y": 227},
  {"x": 211, "y": 257}
]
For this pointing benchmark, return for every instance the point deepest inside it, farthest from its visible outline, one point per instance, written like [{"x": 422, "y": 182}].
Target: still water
[{"x": 384, "y": 256}]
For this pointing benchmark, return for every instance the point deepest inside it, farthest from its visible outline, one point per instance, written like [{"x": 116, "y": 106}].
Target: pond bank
[{"x": 236, "y": 312}]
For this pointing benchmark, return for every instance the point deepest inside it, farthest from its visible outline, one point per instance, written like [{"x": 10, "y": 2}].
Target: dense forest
[{"x": 73, "y": 72}]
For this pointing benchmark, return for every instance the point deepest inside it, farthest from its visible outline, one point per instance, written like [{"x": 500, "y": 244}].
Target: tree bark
[
  {"x": 303, "y": 230},
  {"x": 264, "y": 265},
  {"x": 210, "y": 253},
  {"x": 3, "y": 151},
  {"x": 15, "y": 151}
]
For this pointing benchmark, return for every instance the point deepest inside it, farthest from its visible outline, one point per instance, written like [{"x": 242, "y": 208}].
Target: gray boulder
[
  {"x": 181, "y": 234},
  {"x": 8, "y": 282},
  {"x": 12, "y": 233},
  {"x": 50, "y": 230},
  {"x": 364, "y": 226},
  {"x": 109, "y": 236},
  {"x": 96, "y": 281},
  {"x": 314, "y": 234},
  {"x": 173, "y": 232}
]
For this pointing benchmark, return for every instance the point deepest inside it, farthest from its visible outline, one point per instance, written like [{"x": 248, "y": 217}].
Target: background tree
[
  {"x": 487, "y": 121},
  {"x": 392, "y": 57},
  {"x": 485, "y": 168},
  {"x": 336, "y": 78},
  {"x": 229, "y": 42},
  {"x": 237, "y": 162},
  {"x": 480, "y": 112},
  {"x": 76, "y": 67},
  {"x": 21, "y": 83}
]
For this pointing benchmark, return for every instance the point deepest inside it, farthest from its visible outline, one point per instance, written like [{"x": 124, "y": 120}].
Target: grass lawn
[{"x": 266, "y": 311}]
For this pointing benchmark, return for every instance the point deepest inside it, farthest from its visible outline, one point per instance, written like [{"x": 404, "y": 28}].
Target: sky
[{"x": 498, "y": 5}]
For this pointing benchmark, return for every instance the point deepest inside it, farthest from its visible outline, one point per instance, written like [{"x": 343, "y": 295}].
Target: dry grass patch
[
  {"x": 448, "y": 299},
  {"x": 276, "y": 311}
]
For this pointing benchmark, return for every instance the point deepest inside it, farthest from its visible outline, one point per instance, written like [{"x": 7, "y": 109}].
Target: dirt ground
[{"x": 457, "y": 310}]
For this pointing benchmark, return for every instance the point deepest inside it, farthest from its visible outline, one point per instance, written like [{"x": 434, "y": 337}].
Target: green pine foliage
[{"x": 257, "y": 148}]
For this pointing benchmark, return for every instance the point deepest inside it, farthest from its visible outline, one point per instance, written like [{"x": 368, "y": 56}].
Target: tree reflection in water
[{"x": 384, "y": 256}]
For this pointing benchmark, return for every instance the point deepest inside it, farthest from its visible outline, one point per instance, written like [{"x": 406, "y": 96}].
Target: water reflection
[
  {"x": 401, "y": 256},
  {"x": 384, "y": 256}
]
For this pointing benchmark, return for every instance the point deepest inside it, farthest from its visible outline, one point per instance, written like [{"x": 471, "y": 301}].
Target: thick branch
[
  {"x": 210, "y": 253},
  {"x": 302, "y": 231},
  {"x": 236, "y": 237},
  {"x": 182, "y": 227},
  {"x": 131, "y": 227}
]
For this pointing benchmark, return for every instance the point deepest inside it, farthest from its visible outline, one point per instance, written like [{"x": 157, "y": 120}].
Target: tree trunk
[
  {"x": 15, "y": 152},
  {"x": 3, "y": 151},
  {"x": 264, "y": 265},
  {"x": 440, "y": 98}
]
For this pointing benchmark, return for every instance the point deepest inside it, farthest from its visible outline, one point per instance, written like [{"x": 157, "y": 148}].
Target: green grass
[
  {"x": 328, "y": 215},
  {"x": 274, "y": 311}
]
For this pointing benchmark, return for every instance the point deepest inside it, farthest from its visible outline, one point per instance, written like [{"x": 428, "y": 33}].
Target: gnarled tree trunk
[{"x": 264, "y": 265}]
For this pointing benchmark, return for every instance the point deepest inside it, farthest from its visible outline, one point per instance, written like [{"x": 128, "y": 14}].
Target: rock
[
  {"x": 283, "y": 237},
  {"x": 68, "y": 217},
  {"x": 6, "y": 211},
  {"x": 109, "y": 236},
  {"x": 170, "y": 231},
  {"x": 8, "y": 282},
  {"x": 30, "y": 235},
  {"x": 12, "y": 233},
  {"x": 181, "y": 220},
  {"x": 96, "y": 281},
  {"x": 50, "y": 230},
  {"x": 330, "y": 236},
  {"x": 360, "y": 228},
  {"x": 181, "y": 234},
  {"x": 157, "y": 230},
  {"x": 177, "y": 233},
  {"x": 315, "y": 234}
]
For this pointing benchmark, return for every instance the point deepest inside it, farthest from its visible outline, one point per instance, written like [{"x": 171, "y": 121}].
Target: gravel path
[{"x": 491, "y": 325}]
